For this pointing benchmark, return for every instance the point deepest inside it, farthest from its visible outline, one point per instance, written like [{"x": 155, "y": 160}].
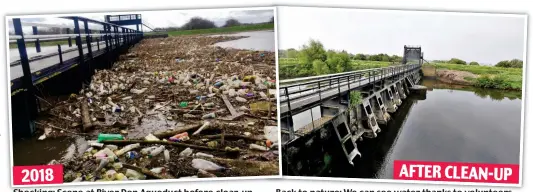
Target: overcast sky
[
  {"x": 485, "y": 38},
  {"x": 168, "y": 18}
]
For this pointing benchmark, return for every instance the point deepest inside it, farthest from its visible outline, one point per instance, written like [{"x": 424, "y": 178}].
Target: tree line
[
  {"x": 202, "y": 23},
  {"x": 316, "y": 60},
  {"x": 293, "y": 53}
]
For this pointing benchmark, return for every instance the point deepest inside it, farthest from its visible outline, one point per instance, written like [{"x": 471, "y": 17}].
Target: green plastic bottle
[{"x": 106, "y": 137}]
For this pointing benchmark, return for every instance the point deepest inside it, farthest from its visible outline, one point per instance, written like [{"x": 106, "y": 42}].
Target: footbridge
[
  {"x": 350, "y": 106},
  {"x": 62, "y": 59}
]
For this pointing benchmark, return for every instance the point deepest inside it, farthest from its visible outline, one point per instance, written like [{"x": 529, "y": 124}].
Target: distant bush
[
  {"x": 473, "y": 63},
  {"x": 515, "y": 63},
  {"x": 198, "y": 23},
  {"x": 232, "y": 22},
  {"x": 457, "y": 61},
  {"x": 359, "y": 56}
]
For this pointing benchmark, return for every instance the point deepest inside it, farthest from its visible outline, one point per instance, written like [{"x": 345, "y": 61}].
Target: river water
[
  {"x": 453, "y": 124},
  {"x": 30, "y": 151},
  {"x": 256, "y": 40}
]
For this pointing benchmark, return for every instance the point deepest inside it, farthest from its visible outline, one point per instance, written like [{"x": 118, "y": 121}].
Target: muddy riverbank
[{"x": 184, "y": 107}]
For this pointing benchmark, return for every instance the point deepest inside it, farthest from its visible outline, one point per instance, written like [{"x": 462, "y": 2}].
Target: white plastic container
[
  {"x": 157, "y": 151},
  {"x": 185, "y": 153}
]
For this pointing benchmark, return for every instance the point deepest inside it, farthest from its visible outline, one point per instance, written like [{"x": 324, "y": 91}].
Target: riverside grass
[{"x": 488, "y": 76}]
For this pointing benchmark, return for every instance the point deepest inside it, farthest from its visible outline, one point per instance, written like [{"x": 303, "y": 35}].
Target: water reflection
[
  {"x": 493, "y": 94},
  {"x": 453, "y": 124}
]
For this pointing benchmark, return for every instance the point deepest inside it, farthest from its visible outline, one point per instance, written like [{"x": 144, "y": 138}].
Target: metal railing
[
  {"x": 109, "y": 36},
  {"x": 328, "y": 86}
]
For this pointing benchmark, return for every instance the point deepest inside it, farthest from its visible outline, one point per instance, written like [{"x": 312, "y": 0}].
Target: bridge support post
[
  {"x": 81, "y": 59},
  {"x": 26, "y": 109},
  {"x": 389, "y": 101},
  {"x": 379, "y": 109}
]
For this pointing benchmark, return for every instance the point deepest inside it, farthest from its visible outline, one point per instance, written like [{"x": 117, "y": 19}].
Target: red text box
[
  {"x": 456, "y": 171},
  {"x": 39, "y": 174}
]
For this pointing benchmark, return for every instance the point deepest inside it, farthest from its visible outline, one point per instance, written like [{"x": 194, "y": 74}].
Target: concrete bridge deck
[{"x": 45, "y": 59}]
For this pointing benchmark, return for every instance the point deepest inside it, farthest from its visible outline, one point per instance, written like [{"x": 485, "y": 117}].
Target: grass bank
[
  {"x": 488, "y": 76},
  {"x": 242, "y": 28}
]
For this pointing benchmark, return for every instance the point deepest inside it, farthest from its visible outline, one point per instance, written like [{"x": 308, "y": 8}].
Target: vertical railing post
[
  {"x": 124, "y": 42},
  {"x": 339, "y": 88},
  {"x": 60, "y": 54},
  {"x": 69, "y": 38},
  {"x": 37, "y": 41},
  {"x": 30, "y": 104},
  {"x": 319, "y": 92},
  {"x": 117, "y": 42},
  {"x": 106, "y": 38},
  {"x": 81, "y": 59},
  {"x": 289, "y": 119},
  {"x": 88, "y": 40},
  {"x": 312, "y": 118}
]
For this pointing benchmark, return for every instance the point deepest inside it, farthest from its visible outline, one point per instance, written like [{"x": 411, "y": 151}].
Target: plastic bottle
[
  {"x": 102, "y": 164},
  {"x": 117, "y": 165},
  {"x": 240, "y": 99},
  {"x": 258, "y": 147},
  {"x": 121, "y": 177},
  {"x": 147, "y": 150},
  {"x": 209, "y": 116},
  {"x": 241, "y": 92},
  {"x": 127, "y": 148},
  {"x": 200, "y": 154},
  {"x": 105, "y": 152},
  {"x": 167, "y": 155},
  {"x": 232, "y": 93},
  {"x": 106, "y": 137},
  {"x": 206, "y": 165},
  {"x": 157, "y": 151},
  {"x": 111, "y": 147},
  {"x": 263, "y": 95},
  {"x": 110, "y": 174},
  {"x": 157, "y": 170},
  {"x": 151, "y": 137},
  {"x": 132, "y": 154},
  {"x": 134, "y": 174},
  {"x": 185, "y": 153}
]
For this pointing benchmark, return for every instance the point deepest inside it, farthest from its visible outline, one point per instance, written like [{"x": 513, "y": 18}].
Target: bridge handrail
[{"x": 337, "y": 78}]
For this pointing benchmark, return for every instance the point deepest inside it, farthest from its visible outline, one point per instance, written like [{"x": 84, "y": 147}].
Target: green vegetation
[
  {"x": 473, "y": 63},
  {"x": 457, "y": 61},
  {"x": 489, "y": 76},
  {"x": 291, "y": 67},
  {"x": 515, "y": 63},
  {"x": 355, "y": 98},
  {"x": 240, "y": 28},
  {"x": 313, "y": 59}
]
